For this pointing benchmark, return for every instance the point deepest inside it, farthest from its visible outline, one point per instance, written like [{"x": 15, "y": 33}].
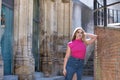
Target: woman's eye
[{"x": 79, "y": 32}]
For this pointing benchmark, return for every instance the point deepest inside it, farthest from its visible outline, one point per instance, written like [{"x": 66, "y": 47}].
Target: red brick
[{"x": 107, "y": 54}]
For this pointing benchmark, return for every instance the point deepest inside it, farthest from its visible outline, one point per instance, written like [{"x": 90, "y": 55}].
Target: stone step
[
  {"x": 38, "y": 75},
  {"x": 41, "y": 76},
  {"x": 62, "y": 78},
  {"x": 58, "y": 78},
  {"x": 15, "y": 77},
  {"x": 89, "y": 66},
  {"x": 1, "y": 78},
  {"x": 10, "y": 77},
  {"x": 52, "y": 78}
]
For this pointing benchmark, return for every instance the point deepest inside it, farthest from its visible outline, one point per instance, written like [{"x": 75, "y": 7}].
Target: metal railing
[
  {"x": 113, "y": 16},
  {"x": 104, "y": 15}
]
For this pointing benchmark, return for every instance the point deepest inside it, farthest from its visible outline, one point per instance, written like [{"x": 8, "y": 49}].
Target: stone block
[
  {"x": 38, "y": 75},
  {"x": 1, "y": 77}
]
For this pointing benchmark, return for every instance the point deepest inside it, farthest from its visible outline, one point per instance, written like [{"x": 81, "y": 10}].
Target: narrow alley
[{"x": 34, "y": 35}]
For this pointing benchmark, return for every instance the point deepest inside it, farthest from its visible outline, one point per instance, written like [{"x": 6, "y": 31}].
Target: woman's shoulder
[{"x": 70, "y": 43}]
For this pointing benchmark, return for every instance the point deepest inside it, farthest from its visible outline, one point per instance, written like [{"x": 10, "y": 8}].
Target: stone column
[
  {"x": 55, "y": 27},
  {"x": 23, "y": 23},
  {"x": 1, "y": 34}
]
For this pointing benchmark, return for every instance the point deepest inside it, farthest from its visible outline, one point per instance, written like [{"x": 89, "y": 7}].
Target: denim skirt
[{"x": 74, "y": 65}]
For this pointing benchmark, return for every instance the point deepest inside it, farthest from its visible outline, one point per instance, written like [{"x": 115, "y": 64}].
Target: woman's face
[{"x": 79, "y": 34}]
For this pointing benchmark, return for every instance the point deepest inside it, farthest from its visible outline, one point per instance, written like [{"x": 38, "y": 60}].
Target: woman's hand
[{"x": 64, "y": 72}]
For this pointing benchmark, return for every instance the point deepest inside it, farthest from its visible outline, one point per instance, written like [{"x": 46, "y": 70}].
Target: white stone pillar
[{"x": 23, "y": 23}]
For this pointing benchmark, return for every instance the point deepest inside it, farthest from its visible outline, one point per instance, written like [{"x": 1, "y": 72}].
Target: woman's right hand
[{"x": 64, "y": 72}]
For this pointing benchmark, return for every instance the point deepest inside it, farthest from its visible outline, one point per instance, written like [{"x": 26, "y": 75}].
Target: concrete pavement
[{"x": 40, "y": 76}]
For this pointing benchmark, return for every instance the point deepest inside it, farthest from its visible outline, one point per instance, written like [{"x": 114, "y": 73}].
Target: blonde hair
[{"x": 75, "y": 31}]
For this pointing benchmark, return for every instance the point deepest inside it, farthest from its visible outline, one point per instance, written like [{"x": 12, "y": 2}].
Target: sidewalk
[
  {"x": 61, "y": 78},
  {"x": 15, "y": 77}
]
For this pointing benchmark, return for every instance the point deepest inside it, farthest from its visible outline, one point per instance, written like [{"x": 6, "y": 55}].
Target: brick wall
[{"x": 107, "y": 54}]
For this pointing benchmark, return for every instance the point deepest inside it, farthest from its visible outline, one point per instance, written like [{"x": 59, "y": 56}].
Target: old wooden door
[{"x": 7, "y": 40}]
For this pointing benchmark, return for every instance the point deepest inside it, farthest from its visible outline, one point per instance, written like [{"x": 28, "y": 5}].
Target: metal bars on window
[{"x": 104, "y": 15}]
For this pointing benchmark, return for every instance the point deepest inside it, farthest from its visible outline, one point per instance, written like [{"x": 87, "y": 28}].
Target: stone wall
[
  {"x": 107, "y": 55},
  {"x": 55, "y": 32}
]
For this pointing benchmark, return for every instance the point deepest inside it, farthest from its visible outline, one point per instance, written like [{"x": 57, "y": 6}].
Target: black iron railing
[
  {"x": 113, "y": 16},
  {"x": 104, "y": 15}
]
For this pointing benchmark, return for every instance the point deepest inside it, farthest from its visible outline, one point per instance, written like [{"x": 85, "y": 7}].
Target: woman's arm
[
  {"x": 66, "y": 59},
  {"x": 92, "y": 37}
]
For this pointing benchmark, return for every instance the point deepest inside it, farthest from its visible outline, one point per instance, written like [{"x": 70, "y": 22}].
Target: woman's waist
[
  {"x": 76, "y": 58},
  {"x": 77, "y": 55}
]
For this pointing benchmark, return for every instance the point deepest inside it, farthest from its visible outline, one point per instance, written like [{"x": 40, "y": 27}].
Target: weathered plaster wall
[{"x": 23, "y": 20}]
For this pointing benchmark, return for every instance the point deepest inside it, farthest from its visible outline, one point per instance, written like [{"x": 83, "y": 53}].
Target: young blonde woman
[{"x": 75, "y": 53}]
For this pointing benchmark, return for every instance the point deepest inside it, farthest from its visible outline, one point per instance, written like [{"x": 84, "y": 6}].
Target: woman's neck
[{"x": 78, "y": 39}]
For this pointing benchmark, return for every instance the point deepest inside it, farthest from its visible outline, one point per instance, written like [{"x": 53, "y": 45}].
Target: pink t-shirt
[{"x": 78, "y": 49}]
